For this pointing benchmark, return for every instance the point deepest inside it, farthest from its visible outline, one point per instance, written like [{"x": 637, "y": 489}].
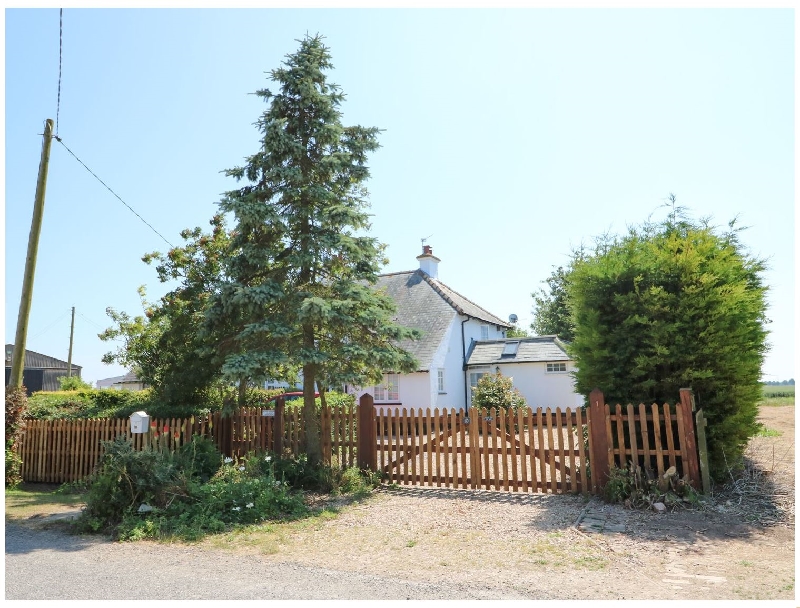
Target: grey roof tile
[
  {"x": 430, "y": 306},
  {"x": 539, "y": 348}
]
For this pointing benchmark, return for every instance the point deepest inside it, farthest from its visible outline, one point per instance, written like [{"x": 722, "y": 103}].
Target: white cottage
[
  {"x": 449, "y": 323},
  {"x": 460, "y": 343}
]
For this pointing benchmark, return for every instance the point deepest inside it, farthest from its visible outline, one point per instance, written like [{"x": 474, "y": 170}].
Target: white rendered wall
[{"x": 542, "y": 389}]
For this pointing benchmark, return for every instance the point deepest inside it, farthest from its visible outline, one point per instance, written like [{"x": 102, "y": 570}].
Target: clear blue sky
[{"x": 511, "y": 137}]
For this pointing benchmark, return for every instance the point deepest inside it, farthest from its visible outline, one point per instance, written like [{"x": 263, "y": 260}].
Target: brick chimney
[{"x": 429, "y": 263}]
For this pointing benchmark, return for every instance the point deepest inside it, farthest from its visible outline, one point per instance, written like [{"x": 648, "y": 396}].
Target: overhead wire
[
  {"x": 59, "y": 140},
  {"x": 60, "y": 47},
  {"x": 46, "y": 329}
]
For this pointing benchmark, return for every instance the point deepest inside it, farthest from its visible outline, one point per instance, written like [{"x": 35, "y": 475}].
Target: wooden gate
[{"x": 524, "y": 451}]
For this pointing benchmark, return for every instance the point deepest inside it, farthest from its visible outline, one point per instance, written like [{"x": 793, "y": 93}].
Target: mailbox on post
[{"x": 140, "y": 422}]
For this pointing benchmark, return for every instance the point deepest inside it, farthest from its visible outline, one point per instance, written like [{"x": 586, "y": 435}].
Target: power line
[
  {"x": 60, "y": 44},
  {"x": 46, "y": 329},
  {"x": 58, "y": 139},
  {"x": 85, "y": 318}
]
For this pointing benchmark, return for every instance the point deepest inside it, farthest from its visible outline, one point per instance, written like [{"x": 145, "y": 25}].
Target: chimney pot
[{"x": 426, "y": 250}]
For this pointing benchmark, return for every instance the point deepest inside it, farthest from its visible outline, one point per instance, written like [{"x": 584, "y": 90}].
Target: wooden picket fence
[
  {"x": 543, "y": 450},
  {"x": 59, "y": 451},
  {"x": 654, "y": 438}
]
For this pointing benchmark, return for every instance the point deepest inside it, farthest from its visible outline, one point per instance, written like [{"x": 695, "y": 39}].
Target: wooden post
[
  {"x": 18, "y": 354},
  {"x": 691, "y": 468},
  {"x": 71, "y": 338},
  {"x": 277, "y": 428},
  {"x": 367, "y": 455},
  {"x": 598, "y": 458},
  {"x": 703, "y": 450}
]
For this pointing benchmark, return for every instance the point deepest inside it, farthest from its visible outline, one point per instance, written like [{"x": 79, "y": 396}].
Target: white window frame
[
  {"x": 550, "y": 367},
  {"x": 476, "y": 374},
  {"x": 484, "y": 332},
  {"x": 389, "y": 390},
  {"x": 440, "y": 380}
]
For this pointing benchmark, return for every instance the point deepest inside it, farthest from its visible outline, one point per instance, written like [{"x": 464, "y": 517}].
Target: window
[
  {"x": 474, "y": 376},
  {"x": 510, "y": 349},
  {"x": 484, "y": 332},
  {"x": 440, "y": 380},
  {"x": 388, "y": 389},
  {"x": 556, "y": 367}
]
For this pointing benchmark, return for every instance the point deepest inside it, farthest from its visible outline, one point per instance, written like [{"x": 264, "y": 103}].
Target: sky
[{"x": 510, "y": 137}]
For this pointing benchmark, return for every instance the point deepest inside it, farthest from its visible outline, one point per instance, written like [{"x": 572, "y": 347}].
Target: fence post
[
  {"x": 703, "y": 450},
  {"x": 367, "y": 455},
  {"x": 277, "y": 428},
  {"x": 692, "y": 468},
  {"x": 598, "y": 458}
]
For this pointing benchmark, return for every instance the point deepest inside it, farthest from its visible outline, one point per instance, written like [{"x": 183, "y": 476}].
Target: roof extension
[{"x": 529, "y": 350}]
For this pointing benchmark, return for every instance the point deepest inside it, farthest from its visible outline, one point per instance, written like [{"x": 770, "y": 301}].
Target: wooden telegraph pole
[
  {"x": 18, "y": 358},
  {"x": 71, "y": 336}
]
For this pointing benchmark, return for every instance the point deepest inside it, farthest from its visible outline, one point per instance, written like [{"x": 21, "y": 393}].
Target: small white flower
[
  {"x": 236, "y": 509},
  {"x": 249, "y": 505},
  {"x": 228, "y": 460},
  {"x": 267, "y": 458},
  {"x": 241, "y": 468}
]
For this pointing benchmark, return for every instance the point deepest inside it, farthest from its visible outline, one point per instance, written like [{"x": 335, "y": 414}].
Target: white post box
[{"x": 140, "y": 422}]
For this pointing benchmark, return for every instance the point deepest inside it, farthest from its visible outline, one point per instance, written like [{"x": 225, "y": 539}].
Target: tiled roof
[
  {"x": 430, "y": 306},
  {"x": 539, "y": 348}
]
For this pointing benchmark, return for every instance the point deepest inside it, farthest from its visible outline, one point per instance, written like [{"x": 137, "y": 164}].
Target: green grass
[
  {"x": 766, "y": 432},
  {"x": 37, "y": 499},
  {"x": 777, "y": 396}
]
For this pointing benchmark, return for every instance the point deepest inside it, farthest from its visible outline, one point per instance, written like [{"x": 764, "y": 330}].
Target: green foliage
[
  {"x": 551, "y": 315},
  {"x": 497, "y": 391},
  {"x": 187, "y": 494},
  {"x": 300, "y": 269},
  {"x": 777, "y": 391},
  {"x": 72, "y": 383},
  {"x": 639, "y": 489},
  {"x": 107, "y": 403},
  {"x": 156, "y": 493},
  {"x": 516, "y": 332},
  {"x": 673, "y": 305},
  {"x": 168, "y": 346},
  {"x": 298, "y": 472},
  {"x": 124, "y": 480},
  {"x": 16, "y": 409}
]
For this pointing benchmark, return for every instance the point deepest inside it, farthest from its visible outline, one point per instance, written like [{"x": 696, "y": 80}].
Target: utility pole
[
  {"x": 18, "y": 358},
  {"x": 71, "y": 336}
]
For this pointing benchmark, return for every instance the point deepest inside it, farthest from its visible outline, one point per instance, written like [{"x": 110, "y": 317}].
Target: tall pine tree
[{"x": 301, "y": 271}]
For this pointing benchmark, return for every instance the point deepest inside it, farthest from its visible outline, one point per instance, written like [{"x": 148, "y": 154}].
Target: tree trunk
[{"x": 313, "y": 447}]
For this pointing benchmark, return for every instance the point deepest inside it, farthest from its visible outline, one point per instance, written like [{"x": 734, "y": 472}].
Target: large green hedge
[{"x": 107, "y": 403}]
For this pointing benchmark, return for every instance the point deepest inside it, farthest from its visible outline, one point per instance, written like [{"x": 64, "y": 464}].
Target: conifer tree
[
  {"x": 674, "y": 305},
  {"x": 301, "y": 270}
]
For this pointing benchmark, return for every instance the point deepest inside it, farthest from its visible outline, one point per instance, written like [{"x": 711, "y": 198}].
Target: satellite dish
[{"x": 512, "y": 318}]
